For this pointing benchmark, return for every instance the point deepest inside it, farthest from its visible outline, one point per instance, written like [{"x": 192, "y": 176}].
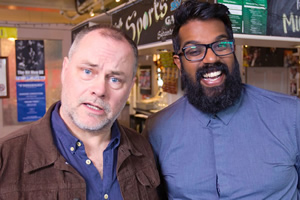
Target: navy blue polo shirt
[{"x": 73, "y": 151}]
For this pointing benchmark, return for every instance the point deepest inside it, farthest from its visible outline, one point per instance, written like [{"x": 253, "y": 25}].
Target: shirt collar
[
  {"x": 115, "y": 136},
  {"x": 61, "y": 131},
  {"x": 68, "y": 140},
  {"x": 225, "y": 115}
]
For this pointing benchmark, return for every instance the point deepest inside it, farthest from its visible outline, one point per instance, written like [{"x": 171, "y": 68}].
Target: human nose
[
  {"x": 210, "y": 56},
  {"x": 98, "y": 87}
]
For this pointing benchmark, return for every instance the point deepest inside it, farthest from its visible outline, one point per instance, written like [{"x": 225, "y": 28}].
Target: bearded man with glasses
[{"x": 223, "y": 139}]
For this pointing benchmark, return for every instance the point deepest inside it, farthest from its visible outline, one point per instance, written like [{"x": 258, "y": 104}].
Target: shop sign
[
  {"x": 236, "y": 14},
  {"x": 247, "y": 16},
  {"x": 147, "y": 21},
  {"x": 265, "y": 17},
  {"x": 284, "y": 18},
  {"x": 8, "y": 32},
  {"x": 255, "y": 17}
]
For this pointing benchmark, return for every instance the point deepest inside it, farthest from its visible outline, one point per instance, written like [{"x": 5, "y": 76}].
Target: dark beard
[{"x": 213, "y": 100}]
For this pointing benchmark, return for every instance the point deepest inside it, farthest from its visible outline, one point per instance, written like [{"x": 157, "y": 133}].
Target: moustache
[{"x": 211, "y": 67}]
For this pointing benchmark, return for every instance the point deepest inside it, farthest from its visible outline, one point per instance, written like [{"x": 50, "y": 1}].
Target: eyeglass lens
[{"x": 197, "y": 52}]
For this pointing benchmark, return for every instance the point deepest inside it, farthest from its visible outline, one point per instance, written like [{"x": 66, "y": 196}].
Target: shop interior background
[{"x": 267, "y": 50}]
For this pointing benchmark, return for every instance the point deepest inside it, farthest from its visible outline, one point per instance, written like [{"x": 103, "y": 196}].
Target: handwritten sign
[{"x": 284, "y": 18}]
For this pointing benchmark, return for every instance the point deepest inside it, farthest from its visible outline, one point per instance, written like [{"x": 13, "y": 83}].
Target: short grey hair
[{"x": 106, "y": 31}]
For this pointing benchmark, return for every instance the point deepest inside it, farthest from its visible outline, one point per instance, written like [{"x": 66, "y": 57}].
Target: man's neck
[
  {"x": 95, "y": 143},
  {"x": 94, "y": 148}
]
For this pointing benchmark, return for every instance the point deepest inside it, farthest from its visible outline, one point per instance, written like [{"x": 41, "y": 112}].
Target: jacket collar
[{"x": 40, "y": 150}]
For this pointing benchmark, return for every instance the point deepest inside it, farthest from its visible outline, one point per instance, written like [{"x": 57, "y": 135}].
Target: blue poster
[{"x": 31, "y": 101}]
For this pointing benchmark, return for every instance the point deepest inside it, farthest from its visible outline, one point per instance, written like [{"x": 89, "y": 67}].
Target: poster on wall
[
  {"x": 264, "y": 56},
  {"x": 4, "y": 88},
  {"x": 294, "y": 81},
  {"x": 30, "y": 59},
  {"x": 236, "y": 13},
  {"x": 170, "y": 73},
  {"x": 31, "y": 101},
  {"x": 145, "y": 80}
]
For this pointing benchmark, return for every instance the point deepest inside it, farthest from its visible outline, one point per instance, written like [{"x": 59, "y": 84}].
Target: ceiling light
[{"x": 92, "y": 14}]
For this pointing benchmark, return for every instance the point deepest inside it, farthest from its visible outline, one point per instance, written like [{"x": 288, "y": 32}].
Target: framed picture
[
  {"x": 4, "y": 91},
  {"x": 145, "y": 80}
]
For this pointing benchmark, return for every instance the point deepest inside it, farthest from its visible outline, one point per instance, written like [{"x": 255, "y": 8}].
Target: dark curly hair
[{"x": 193, "y": 9}]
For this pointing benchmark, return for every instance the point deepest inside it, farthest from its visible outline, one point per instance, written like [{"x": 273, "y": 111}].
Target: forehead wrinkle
[
  {"x": 125, "y": 62},
  {"x": 115, "y": 68},
  {"x": 106, "y": 54}
]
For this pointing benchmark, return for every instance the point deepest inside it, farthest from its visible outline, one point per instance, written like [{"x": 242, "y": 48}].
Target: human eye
[
  {"x": 222, "y": 45},
  {"x": 193, "y": 50},
  {"x": 115, "y": 82},
  {"x": 86, "y": 73}
]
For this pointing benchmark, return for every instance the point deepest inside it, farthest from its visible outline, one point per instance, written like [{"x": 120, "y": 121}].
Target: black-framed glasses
[{"x": 197, "y": 52}]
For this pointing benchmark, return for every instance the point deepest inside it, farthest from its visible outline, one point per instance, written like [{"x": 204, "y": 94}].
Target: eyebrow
[
  {"x": 117, "y": 73},
  {"x": 120, "y": 73},
  {"x": 88, "y": 64},
  {"x": 193, "y": 42}
]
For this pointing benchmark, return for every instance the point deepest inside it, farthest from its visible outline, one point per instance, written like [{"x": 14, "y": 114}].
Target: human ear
[{"x": 177, "y": 62}]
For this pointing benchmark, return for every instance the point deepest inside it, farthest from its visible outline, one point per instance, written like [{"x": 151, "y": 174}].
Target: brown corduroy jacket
[{"x": 31, "y": 167}]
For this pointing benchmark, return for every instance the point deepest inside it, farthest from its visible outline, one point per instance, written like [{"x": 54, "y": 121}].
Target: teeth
[
  {"x": 93, "y": 107},
  {"x": 212, "y": 74}
]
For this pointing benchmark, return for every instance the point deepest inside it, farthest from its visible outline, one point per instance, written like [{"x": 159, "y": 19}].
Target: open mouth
[
  {"x": 93, "y": 107},
  {"x": 212, "y": 78},
  {"x": 212, "y": 75}
]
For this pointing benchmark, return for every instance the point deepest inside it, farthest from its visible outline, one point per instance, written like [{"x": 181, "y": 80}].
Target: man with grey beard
[
  {"x": 78, "y": 150},
  {"x": 223, "y": 139}
]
